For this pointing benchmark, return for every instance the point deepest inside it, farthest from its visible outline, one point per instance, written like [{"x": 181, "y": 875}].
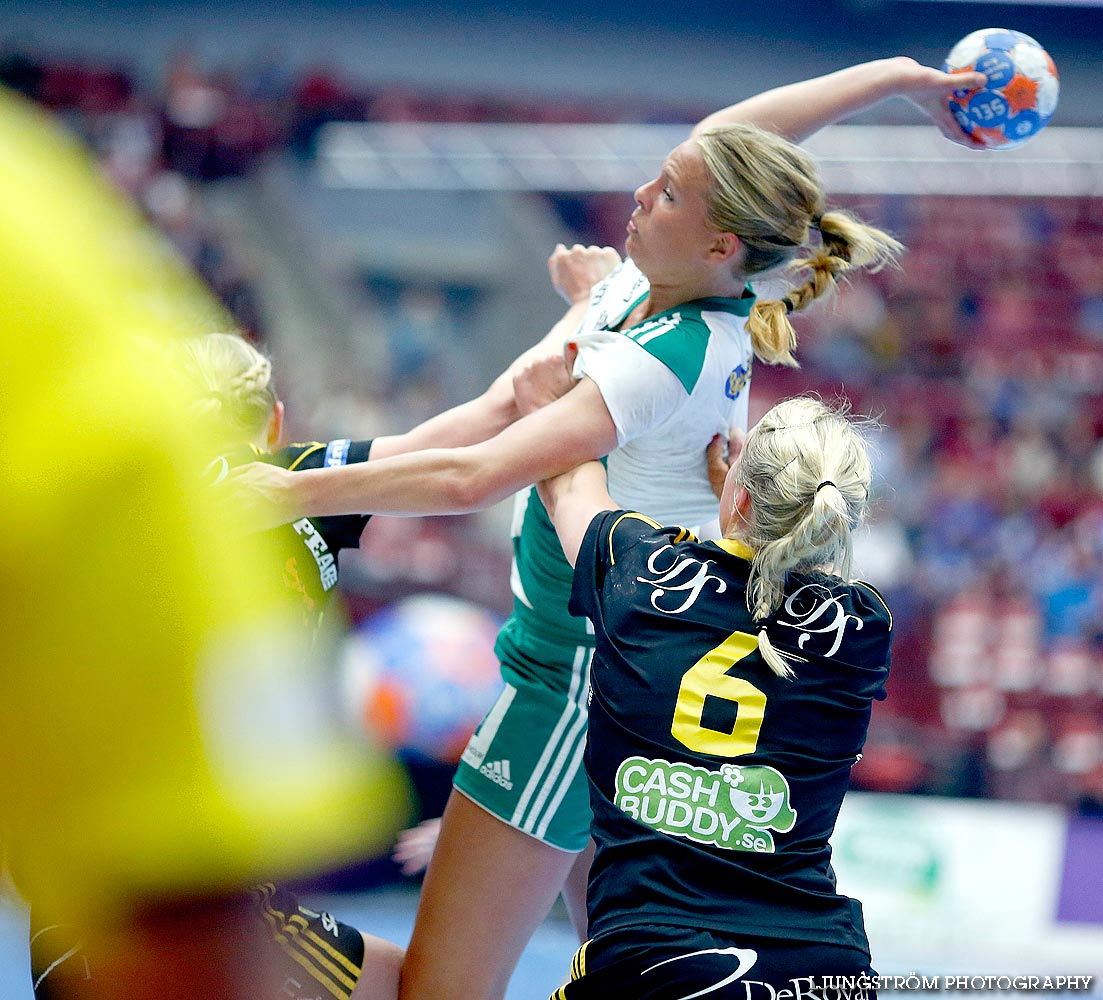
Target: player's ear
[
  {"x": 274, "y": 431},
  {"x": 742, "y": 504},
  {"x": 723, "y": 248}
]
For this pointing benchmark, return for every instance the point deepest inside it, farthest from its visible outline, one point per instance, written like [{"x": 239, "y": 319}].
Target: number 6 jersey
[{"x": 715, "y": 784}]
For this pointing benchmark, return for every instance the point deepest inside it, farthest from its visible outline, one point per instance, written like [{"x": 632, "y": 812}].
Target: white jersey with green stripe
[{"x": 670, "y": 383}]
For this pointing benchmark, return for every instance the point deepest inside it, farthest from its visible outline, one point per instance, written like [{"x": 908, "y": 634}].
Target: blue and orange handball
[
  {"x": 420, "y": 674},
  {"x": 1021, "y": 94}
]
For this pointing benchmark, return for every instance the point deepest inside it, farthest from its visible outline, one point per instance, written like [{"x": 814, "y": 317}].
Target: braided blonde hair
[
  {"x": 806, "y": 467},
  {"x": 767, "y": 191},
  {"x": 230, "y": 382}
]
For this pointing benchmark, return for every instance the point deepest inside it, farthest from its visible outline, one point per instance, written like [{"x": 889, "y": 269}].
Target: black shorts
[
  {"x": 314, "y": 949},
  {"x": 315, "y": 956},
  {"x": 57, "y": 952},
  {"x": 671, "y": 963}
]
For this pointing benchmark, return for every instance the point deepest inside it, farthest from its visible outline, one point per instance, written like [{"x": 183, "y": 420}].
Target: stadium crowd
[{"x": 983, "y": 356}]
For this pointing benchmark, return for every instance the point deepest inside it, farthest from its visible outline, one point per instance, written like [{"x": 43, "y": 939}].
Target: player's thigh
[
  {"x": 486, "y": 891},
  {"x": 574, "y": 891},
  {"x": 524, "y": 765}
]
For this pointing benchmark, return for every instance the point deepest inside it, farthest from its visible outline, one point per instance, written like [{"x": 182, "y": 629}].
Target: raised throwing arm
[{"x": 797, "y": 110}]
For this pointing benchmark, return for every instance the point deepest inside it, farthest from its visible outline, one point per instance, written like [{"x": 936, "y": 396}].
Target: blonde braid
[
  {"x": 231, "y": 385},
  {"x": 767, "y": 191},
  {"x": 254, "y": 379},
  {"x": 847, "y": 243}
]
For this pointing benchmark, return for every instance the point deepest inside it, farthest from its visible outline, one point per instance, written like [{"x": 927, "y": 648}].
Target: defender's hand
[
  {"x": 721, "y": 454},
  {"x": 415, "y": 847}
]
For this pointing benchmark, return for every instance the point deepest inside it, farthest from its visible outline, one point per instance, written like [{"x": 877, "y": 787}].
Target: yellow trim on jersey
[
  {"x": 325, "y": 945},
  {"x": 623, "y": 517},
  {"x": 310, "y": 449},
  {"x": 288, "y": 946},
  {"x": 295, "y": 942},
  {"x": 293, "y": 945},
  {"x": 337, "y": 991},
  {"x": 578, "y": 962},
  {"x": 735, "y": 547},
  {"x": 684, "y": 535}
]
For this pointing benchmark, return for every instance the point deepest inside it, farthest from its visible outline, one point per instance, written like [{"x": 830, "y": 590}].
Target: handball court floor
[{"x": 387, "y": 912}]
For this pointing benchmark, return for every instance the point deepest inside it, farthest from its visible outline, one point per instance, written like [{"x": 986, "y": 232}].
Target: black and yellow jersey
[
  {"x": 308, "y": 547},
  {"x": 715, "y": 783}
]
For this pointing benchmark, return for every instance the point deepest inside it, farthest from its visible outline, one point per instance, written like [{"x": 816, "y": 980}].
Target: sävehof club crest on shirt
[
  {"x": 737, "y": 381},
  {"x": 734, "y": 808}
]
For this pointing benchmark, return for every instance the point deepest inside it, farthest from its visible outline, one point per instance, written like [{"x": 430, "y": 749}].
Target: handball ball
[
  {"x": 1022, "y": 89},
  {"x": 421, "y": 674}
]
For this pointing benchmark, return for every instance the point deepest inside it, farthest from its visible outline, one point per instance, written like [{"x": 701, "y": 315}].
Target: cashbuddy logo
[{"x": 735, "y": 807}]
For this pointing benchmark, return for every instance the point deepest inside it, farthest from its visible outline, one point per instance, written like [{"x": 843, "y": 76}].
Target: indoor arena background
[{"x": 392, "y": 267}]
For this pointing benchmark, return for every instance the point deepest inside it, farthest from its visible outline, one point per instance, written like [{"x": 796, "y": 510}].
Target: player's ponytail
[
  {"x": 806, "y": 468},
  {"x": 230, "y": 383},
  {"x": 767, "y": 191},
  {"x": 845, "y": 243}
]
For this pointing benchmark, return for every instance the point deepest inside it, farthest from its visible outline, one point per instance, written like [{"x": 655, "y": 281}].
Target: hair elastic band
[
  {"x": 817, "y": 220},
  {"x": 826, "y": 482},
  {"x": 777, "y": 241},
  {"x": 788, "y": 304}
]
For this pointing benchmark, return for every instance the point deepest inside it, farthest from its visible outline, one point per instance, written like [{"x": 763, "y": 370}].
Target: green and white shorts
[{"x": 524, "y": 762}]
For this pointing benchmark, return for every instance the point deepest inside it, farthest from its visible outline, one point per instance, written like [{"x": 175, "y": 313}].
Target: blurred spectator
[{"x": 894, "y": 759}]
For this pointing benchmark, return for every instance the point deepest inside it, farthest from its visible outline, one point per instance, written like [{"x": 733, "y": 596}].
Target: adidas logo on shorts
[{"x": 497, "y": 771}]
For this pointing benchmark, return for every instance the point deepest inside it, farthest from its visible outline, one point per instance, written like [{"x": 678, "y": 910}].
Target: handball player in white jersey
[{"x": 664, "y": 364}]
